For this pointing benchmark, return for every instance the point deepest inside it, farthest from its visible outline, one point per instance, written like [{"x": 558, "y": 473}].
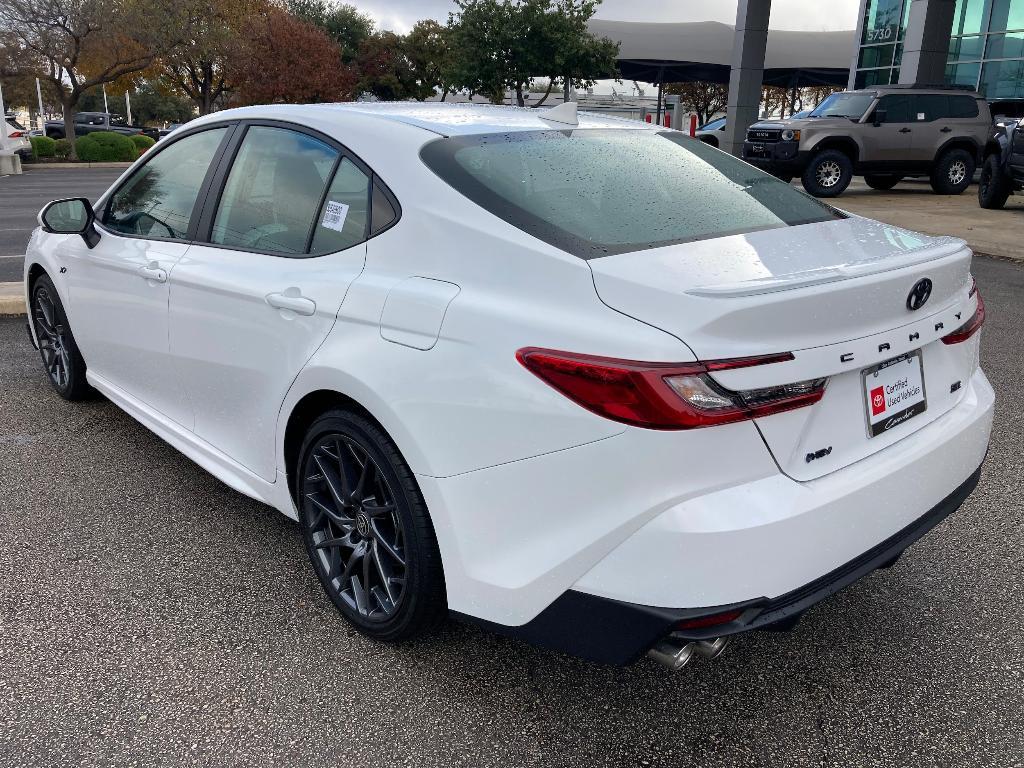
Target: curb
[
  {"x": 12, "y": 300},
  {"x": 35, "y": 166}
]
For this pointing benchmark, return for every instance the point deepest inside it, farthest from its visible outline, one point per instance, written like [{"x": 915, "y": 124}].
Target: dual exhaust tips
[{"x": 676, "y": 654}]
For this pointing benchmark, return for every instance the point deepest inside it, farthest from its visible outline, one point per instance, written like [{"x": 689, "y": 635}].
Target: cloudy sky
[{"x": 400, "y": 15}]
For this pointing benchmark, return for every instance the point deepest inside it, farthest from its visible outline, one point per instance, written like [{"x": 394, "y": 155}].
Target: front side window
[
  {"x": 896, "y": 108},
  {"x": 273, "y": 191},
  {"x": 846, "y": 104},
  {"x": 158, "y": 199},
  {"x": 599, "y": 192}
]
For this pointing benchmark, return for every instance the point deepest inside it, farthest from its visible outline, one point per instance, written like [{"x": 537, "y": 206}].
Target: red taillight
[
  {"x": 15, "y": 134},
  {"x": 664, "y": 395},
  {"x": 972, "y": 326}
]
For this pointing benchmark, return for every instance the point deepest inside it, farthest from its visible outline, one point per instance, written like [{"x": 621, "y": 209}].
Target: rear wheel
[
  {"x": 953, "y": 172},
  {"x": 882, "y": 182},
  {"x": 828, "y": 174},
  {"x": 62, "y": 361},
  {"x": 993, "y": 186},
  {"x": 367, "y": 530}
]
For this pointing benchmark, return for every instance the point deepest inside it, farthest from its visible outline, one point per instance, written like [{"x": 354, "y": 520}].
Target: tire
[
  {"x": 828, "y": 174},
  {"x": 367, "y": 530},
  {"x": 710, "y": 140},
  {"x": 55, "y": 134},
  {"x": 993, "y": 186},
  {"x": 882, "y": 182},
  {"x": 785, "y": 178},
  {"x": 62, "y": 361},
  {"x": 953, "y": 172}
]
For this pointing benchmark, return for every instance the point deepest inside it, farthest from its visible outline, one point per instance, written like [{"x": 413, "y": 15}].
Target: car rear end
[
  {"x": 17, "y": 139},
  {"x": 826, "y": 407}
]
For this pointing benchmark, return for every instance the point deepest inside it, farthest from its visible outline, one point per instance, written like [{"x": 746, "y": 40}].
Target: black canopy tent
[{"x": 703, "y": 51}]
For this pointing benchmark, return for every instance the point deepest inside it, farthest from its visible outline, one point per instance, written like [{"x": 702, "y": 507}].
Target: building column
[
  {"x": 747, "y": 72},
  {"x": 926, "y": 42}
]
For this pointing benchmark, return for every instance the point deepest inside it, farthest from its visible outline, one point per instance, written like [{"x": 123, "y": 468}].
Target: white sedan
[{"x": 584, "y": 381}]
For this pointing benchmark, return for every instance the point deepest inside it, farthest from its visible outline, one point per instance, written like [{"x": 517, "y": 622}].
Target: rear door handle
[
  {"x": 904, "y": 130},
  {"x": 947, "y": 129},
  {"x": 153, "y": 271},
  {"x": 292, "y": 299}
]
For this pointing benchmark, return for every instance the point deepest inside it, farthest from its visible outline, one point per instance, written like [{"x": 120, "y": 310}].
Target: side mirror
[
  {"x": 879, "y": 118},
  {"x": 73, "y": 216}
]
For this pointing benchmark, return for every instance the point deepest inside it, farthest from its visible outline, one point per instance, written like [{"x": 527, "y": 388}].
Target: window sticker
[
  {"x": 334, "y": 215},
  {"x": 920, "y": 116}
]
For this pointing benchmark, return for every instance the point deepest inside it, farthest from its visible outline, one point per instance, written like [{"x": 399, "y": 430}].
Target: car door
[
  {"x": 1017, "y": 153},
  {"x": 888, "y": 143},
  {"x": 932, "y": 125},
  {"x": 119, "y": 288},
  {"x": 284, "y": 237}
]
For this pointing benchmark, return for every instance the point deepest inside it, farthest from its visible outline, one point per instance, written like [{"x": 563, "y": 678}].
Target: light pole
[{"x": 39, "y": 96}]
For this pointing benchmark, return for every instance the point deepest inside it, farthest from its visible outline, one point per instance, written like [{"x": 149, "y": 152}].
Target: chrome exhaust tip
[{"x": 669, "y": 653}]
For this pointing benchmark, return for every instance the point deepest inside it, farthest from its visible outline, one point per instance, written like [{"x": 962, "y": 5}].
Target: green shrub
[
  {"x": 62, "y": 148},
  {"x": 142, "y": 142},
  {"x": 42, "y": 146},
  {"x": 105, "y": 147}
]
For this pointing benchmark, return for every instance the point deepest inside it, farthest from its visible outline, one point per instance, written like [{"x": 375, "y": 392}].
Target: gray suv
[{"x": 883, "y": 133}]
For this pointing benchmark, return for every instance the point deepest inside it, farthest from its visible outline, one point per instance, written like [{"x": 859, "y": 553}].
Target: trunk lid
[{"x": 835, "y": 294}]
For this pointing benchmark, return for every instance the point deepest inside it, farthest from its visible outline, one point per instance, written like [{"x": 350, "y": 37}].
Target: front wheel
[
  {"x": 882, "y": 182},
  {"x": 367, "y": 530},
  {"x": 62, "y": 361},
  {"x": 993, "y": 186},
  {"x": 828, "y": 174},
  {"x": 953, "y": 172}
]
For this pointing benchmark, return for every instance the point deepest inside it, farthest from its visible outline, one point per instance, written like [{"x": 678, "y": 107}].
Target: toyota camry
[{"x": 584, "y": 381}]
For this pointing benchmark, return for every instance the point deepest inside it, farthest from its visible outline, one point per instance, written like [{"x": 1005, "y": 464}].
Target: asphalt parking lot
[
  {"x": 22, "y": 196},
  {"x": 151, "y": 616}
]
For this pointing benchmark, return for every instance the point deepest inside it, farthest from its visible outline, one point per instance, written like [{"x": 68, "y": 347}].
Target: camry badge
[{"x": 919, "y": 294}]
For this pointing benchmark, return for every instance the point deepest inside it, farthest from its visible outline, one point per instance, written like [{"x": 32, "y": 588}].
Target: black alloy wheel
[
  {"x": 366, "y": 528},
  {"x": 61, "y": 359}
]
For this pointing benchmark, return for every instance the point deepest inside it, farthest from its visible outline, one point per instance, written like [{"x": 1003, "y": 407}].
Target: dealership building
[{"x": 974, "y": 43}]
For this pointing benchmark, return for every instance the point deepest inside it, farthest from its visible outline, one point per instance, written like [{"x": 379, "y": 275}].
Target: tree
[
  {"x": 505, "y": 44},
  {"x": 429, "y": 52},
  {"x": 198, "y": 67},
  {"x": 284, "y": 59},
  {"x": 342, "y": 23},
  {"x": 704, "y": 99},
  {"x": 81, "y": 44},
  {"x": 385, "y": 70}
]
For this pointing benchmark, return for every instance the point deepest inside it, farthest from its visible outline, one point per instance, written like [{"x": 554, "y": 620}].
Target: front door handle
[
  {"x": 153, "y": 271},
  {"x": 947, "y": 129},
  {"x": 904, "y": 130},
  {"x": 292, "y": 299}
]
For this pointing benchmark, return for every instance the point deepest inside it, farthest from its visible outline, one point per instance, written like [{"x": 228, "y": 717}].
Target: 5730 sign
[{"x": 882, "y": 34}]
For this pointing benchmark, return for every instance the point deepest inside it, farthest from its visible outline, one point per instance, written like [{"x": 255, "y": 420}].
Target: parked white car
[
  {"x": 15, "y": 139},
  {"x": 587, "y": 382},
  {"x": 711, "y": 132}
]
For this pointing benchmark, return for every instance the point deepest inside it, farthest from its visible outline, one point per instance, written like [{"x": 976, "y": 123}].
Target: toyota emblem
[{"x": 919, "y": 294}]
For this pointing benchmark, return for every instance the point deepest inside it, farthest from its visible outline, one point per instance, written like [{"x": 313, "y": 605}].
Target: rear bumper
[
  {"x": 634, "y": 533},
  {"x": 615, "y": 632}
]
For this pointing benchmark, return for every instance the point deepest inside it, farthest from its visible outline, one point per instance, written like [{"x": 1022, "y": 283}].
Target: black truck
[
  {"x": 88, "y": 122},
  {"x": 1002, "y": 171}
]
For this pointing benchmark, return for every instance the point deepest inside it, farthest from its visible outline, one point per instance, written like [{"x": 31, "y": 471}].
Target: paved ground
[
  {"x": 22, "y": 196},
  {"x": 151, "y": 616},
  {"x": 913, "y": 205}
]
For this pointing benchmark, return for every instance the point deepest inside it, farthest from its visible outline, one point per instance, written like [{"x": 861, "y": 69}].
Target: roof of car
[{"x": 447, "y": 119}]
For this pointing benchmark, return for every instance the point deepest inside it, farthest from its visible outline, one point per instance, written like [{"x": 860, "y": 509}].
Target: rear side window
[
  {"x": 931, "y": 106},
  {"x": 345, "y": 215},
  {"x": 599, "y": 192},
  {"x": 157, "y": 200},
  {"x": 963, "y": 106},
  {"x": 273, "y": 191}
]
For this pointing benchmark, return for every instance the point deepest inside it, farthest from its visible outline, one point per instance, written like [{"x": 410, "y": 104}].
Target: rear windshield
[{"x": 600, "y": 192}]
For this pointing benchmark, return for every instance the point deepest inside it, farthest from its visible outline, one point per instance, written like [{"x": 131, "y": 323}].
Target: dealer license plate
[{"x": 894, "y": 392}]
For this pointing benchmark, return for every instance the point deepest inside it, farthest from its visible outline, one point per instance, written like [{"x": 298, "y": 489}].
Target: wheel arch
[
  {"x": 966, "y": 143},
  {"x": 844, "y": 144}
]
